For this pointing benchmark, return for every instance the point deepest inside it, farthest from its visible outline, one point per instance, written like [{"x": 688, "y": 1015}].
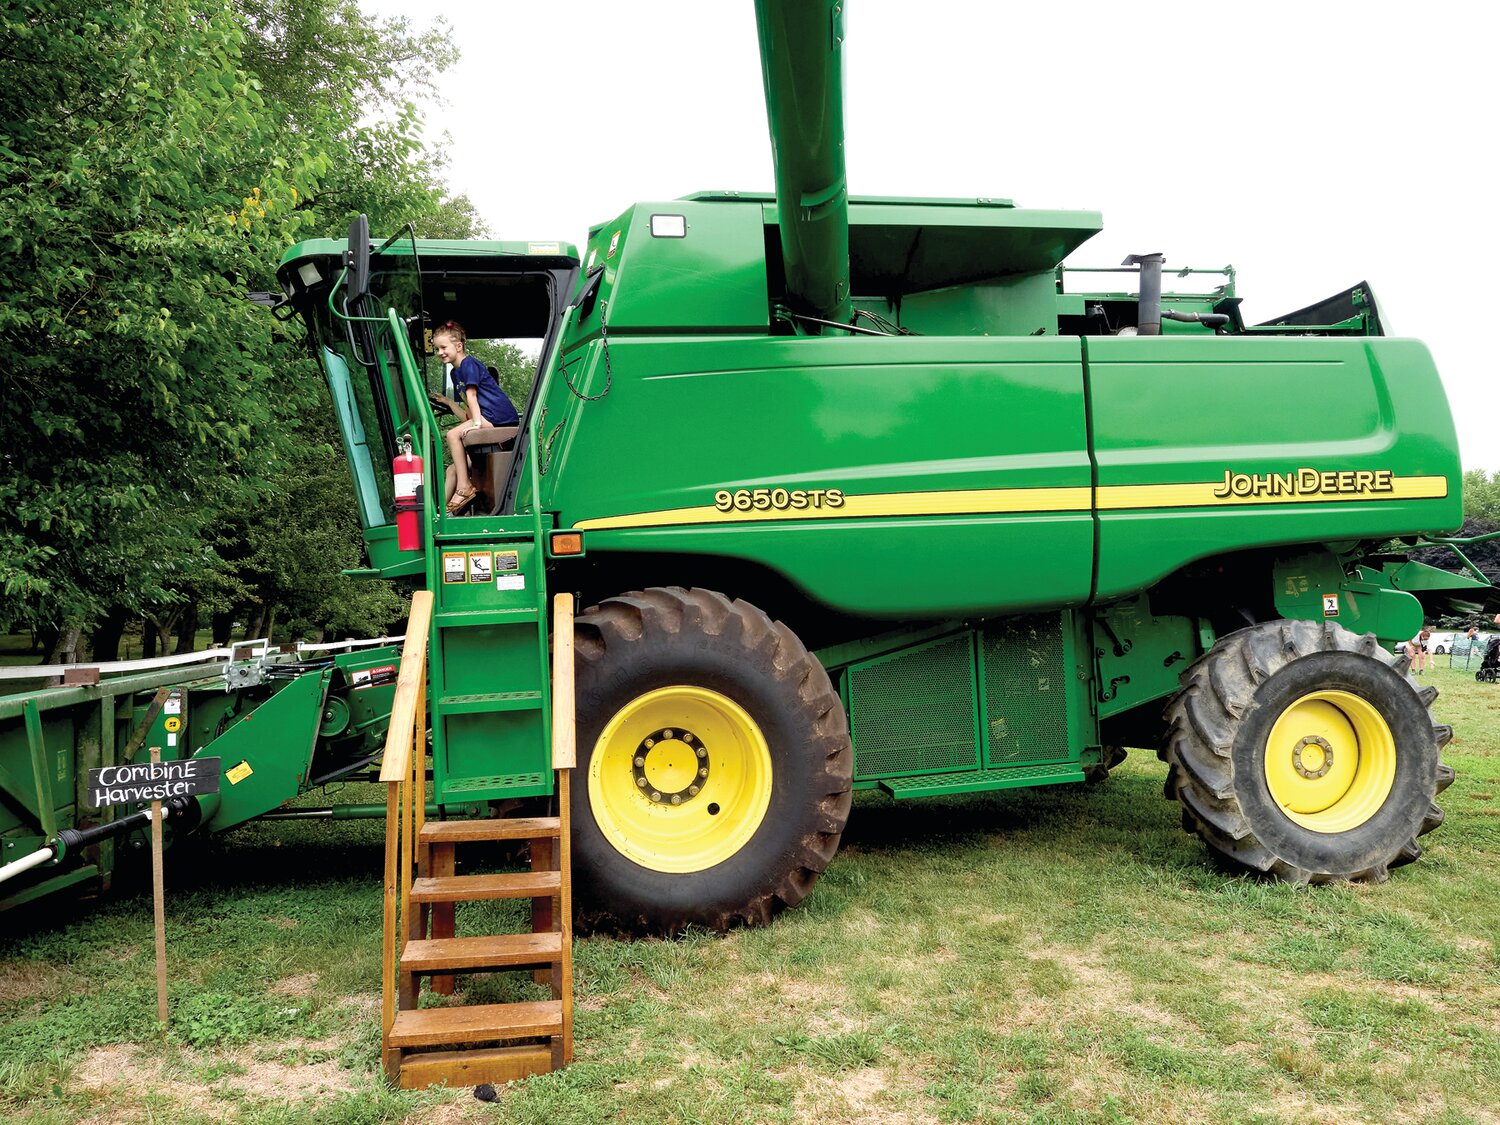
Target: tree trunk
[
  {"x": 256, "y": 627},
  {"x": 106, "y": 639},
  {"x": 222, "y": 625},
  {"x": 65, "y": 648},
  {"x": 187, "y": 629},
  {"x": 148, "y": 640}
]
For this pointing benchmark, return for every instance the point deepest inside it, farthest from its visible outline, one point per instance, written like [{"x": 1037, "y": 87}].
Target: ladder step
[
  {"x": 469, "y": 954},
  {"x": 489, "y": 701},
  {"x": 497, "y": 828},
  {"x": 510, "y": 616},
  {"x": 473, "y": 1067},
  {"x": 482, "y": 888},
  {"x": 437, "y": 1027}
]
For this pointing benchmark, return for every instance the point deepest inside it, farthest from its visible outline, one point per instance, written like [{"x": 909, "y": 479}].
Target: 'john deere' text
[{"x": 1305, "y": 482}]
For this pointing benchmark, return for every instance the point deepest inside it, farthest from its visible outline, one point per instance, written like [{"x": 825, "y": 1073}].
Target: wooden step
[
  {"x": 481, "y": 1023},
  {"x": 499, "y": 828},
  {"x": 467, "y": 954},
  {"x": 483, "y": 888},
  {"x": 470, "y": 1068}
]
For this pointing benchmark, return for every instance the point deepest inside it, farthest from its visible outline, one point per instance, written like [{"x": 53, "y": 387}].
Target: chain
[{"x": 609, "y": 374}]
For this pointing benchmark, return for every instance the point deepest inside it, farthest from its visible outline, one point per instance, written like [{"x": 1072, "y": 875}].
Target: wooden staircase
[{"x": 465, "y": 1045}]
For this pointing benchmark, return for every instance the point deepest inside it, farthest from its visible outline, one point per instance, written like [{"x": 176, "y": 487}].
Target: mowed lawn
[{"x": 1055, "y": 955}]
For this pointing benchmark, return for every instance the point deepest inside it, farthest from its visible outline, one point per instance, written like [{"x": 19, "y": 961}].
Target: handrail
[
  {"x": 410, "y": 679},
  {"x": 403, "y": 769}
]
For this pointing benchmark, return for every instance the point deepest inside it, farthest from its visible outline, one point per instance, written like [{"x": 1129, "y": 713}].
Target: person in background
[{"x": 1416, "y": 648}]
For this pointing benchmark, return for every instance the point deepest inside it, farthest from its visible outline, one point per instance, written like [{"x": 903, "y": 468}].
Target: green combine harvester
[{"x": 861, "y": 494}]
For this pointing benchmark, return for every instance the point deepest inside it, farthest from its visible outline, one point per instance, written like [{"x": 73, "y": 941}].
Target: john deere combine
[{"x": 871, "y": 494}]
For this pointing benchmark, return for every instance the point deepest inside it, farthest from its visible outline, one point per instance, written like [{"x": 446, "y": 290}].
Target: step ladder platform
[
  {"x": 486, "y": 888},
  {"x": 980, "y": 781},
  {"x": 495, "y": 1065},
  {"x": 476, "y": 954},
  {"x": 504, "y": 828},
  {"x": 482, "y": 1023}
]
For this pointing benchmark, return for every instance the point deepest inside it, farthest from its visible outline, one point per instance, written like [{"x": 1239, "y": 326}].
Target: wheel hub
[
  {"x": 1312, "y": 757},
  {"x": 670, "y": 766}
]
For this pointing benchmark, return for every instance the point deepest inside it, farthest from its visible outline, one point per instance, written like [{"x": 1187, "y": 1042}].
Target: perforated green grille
[
  {"x": 1025, "y": 690},
  {"x": 497, "y": 781},
  {"x": 914, "y": 712}
]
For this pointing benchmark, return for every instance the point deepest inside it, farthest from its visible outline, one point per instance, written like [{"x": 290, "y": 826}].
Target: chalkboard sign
[{"x": 152, "y": 781}]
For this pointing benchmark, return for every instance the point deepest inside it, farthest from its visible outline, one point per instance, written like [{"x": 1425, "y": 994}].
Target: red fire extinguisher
[{"x": 408, "y": 472}]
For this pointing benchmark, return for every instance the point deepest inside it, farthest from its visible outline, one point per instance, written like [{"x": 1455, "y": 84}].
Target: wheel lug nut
[
  {"x": 703, "y": 773},
  {"x": 692, "y": 790},
  {"x": 641, "y": 781},
  {"x": 650, "y": 742},
  {"x": 702, "y": 753},
  {"x": 639, "y": 762},
  {"x": 677, "y": 798},
  {"x": 666, "y": 734},
  {"x": 656, "y": 796}
]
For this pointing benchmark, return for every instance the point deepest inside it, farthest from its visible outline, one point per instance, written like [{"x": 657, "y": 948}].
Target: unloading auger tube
[{"x": 801, "y": 61}]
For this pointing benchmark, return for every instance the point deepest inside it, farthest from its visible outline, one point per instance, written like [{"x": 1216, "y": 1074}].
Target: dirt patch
[
  {"x": 282, "y": 923},
  {"x": 301, "y": 985},
  {"x": 855, "y": 1098},
  {"x": 29, "y": 980},
  {"x": 125, "y": 1075}
]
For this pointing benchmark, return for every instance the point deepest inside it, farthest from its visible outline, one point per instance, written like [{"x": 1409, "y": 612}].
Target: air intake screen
[
  {"x": 914, "y": 712},
  {"x": 1025, "y": 691}
]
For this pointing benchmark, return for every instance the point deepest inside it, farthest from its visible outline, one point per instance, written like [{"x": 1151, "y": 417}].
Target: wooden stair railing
[{"x": 467, "y": 1045}]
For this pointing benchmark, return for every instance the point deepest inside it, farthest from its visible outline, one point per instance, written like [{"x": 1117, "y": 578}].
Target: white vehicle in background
[{"x": 1441, "y": 643}]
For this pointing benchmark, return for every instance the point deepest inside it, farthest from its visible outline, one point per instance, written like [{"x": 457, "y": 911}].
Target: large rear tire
[
  {"x": 714, "y": 764},
  {"x": 1302, "y": 751}
]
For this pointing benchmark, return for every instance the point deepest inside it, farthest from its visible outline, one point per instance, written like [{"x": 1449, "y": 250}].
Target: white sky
[{"x": 1311, "y": 145}]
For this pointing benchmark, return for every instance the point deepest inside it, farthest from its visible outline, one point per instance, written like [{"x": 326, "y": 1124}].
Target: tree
[{"x": 155, "y": 160}]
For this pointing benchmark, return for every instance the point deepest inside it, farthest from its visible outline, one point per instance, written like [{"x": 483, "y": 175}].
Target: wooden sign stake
[{"x": 158, "y": 894}]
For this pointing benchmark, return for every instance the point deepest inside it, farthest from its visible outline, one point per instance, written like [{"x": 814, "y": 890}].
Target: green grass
[{"x": 1062, "y": 955}]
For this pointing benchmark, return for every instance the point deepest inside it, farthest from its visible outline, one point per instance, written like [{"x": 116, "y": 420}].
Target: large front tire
[
  {"x": 714, "y": 764},
  {"x": 1302, "y": 751}
]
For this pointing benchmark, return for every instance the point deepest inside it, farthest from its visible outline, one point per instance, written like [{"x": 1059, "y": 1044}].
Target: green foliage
[{"x": 155, "y": 160}]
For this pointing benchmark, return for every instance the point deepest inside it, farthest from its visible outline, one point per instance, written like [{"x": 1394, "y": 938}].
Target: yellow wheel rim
[
  {"x": 680, "y": 779},
  {"x": 1330, "y": 761}
]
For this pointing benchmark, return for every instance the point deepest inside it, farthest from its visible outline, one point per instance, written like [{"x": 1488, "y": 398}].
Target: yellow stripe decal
[
  {"x": 1221, "y": 494},
  {"x": 1004, "y": 501}
]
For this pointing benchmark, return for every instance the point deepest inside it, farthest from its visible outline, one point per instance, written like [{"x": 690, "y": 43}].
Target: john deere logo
[{"x": 1305, "y": 482}]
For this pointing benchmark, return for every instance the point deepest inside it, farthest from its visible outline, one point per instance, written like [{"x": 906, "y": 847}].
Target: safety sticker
[
  {"x": 1330, "y": 605},
  {"x": 507, "y": 560},
  {"x": 173, "y": 706},
  {"x": 455, "y": 568},
  {"x": 481, "y": 566},
  {"x": 173, "y": 724},
  {"x": 510, "y": 582},
  {"x": 543, "y": 248},
  {"x": 238, "y": 773},
  {"x": 613, "y": 244},
  {"x": 369, "y": 677}
]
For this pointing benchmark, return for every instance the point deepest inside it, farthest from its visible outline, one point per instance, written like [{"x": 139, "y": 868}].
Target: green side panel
[
  {"x": 1189, "y": 410},
  {"x": 1018, "y": 306},
  {"x": 275, "y": 741},
  {"x": 711, "y": 279},
  {"x": 908, "y": 429},
  {"x": 915, "y": 712},
  {"x": 1029, "y": 693},
  {"x": 1156, "y": 651}
]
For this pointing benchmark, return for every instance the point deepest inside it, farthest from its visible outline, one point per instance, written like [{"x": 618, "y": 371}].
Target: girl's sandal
[{"x": 461, "y": 500}]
